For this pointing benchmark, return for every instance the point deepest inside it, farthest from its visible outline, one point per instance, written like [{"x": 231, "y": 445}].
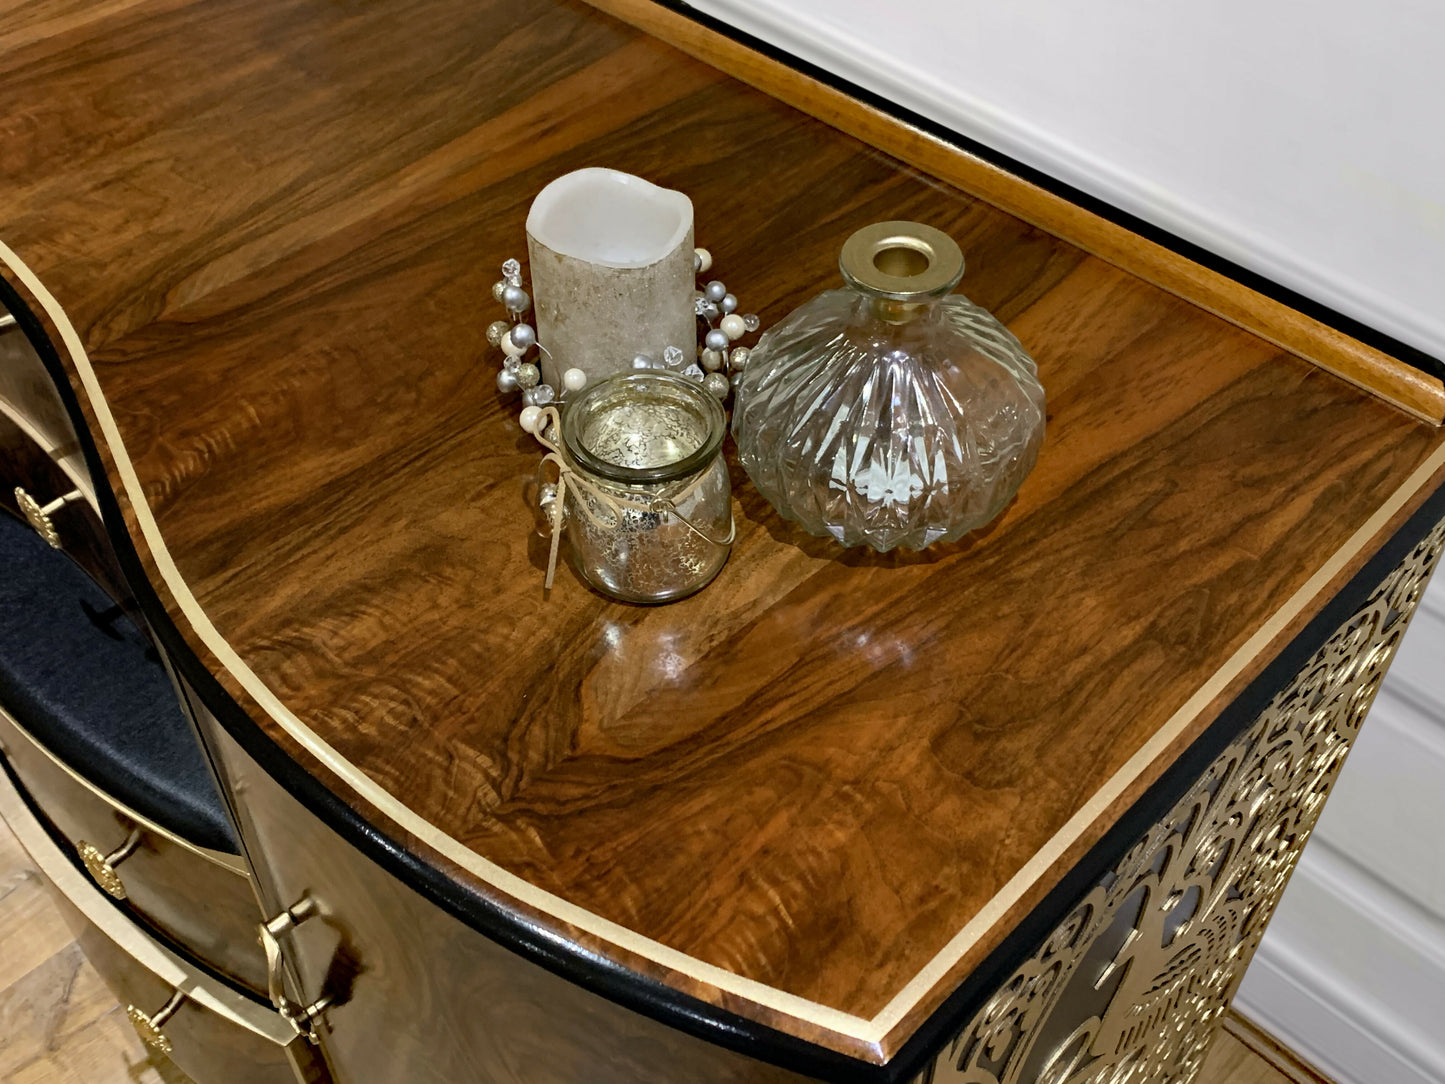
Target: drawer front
[
  {"x": 41, "y": 454},
  {"x": 76, "y": 527},
  {"x": 27, "y": 390},
  {"x": 205, "y": 1045},
  {"x": 203, "y": 904}
]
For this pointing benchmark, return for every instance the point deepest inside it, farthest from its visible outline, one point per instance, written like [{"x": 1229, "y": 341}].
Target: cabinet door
[{"x": 418, "y": 997}]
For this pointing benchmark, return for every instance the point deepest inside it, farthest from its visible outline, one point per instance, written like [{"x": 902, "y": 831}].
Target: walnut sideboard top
[{"x": 816, "y": 796}]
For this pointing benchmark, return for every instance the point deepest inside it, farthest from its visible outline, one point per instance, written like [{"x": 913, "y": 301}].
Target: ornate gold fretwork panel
[{"x": 1131, "y": 986}]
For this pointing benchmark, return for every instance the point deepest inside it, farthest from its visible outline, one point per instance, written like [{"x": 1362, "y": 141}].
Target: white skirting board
[{"x": 1351, "y": 974}]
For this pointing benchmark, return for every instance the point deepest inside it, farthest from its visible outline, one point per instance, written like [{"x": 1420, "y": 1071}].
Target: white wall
[{"x": 1303, "y": 139}]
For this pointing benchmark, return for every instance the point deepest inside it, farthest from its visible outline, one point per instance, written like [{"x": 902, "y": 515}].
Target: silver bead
[
  {"x": 539, "y": 396},
  {"x": 515, "y": 298},
  {"x": 510, "y": 348},
  {"x": 524, "y": 336},
  {"x": 710, "y": 311},
  {"x": 693, "y": 372},
  {"x": 643, "y": 361},
  {"x": 495, "y": 330},
  {"x": 716, "y": 384},
  {"x": 528, "y": 375},
  {"x": 712, "y": 360},
  {"x": 507, "y": 382},
  {"x": 715, "y": 290},
  {"x": 729, "y": 303},
  {"x": 717, "y": 340},
  {"x": 498, "y": 289},
  {"x": 738, "y": 358}
]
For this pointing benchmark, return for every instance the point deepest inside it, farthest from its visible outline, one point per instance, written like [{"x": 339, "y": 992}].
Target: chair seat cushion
[{"x": 86, "y": 682}]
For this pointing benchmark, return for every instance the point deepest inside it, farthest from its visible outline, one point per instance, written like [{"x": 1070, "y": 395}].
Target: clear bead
[
  {"x": 673, "y": 357},
  {"x": 512, "y": 273},
  {"x": 751, "y": 321},
  {"x": 884, "y": 422}
]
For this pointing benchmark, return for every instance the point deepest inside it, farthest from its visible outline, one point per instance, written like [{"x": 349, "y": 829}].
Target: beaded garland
[{"x": 718, "y": 363}]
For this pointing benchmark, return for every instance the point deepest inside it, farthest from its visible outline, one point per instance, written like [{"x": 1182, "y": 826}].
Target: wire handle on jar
[{"x": 550, "y": 421}]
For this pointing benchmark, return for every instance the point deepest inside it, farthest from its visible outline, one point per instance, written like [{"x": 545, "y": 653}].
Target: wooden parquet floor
[{"x": 60, "y": 1025}]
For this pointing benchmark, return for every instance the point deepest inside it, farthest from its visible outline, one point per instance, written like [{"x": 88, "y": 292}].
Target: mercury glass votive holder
[{"x": 649, "y": 504}]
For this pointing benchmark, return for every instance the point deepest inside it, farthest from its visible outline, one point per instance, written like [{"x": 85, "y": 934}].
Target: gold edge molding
[
  {"x": 1416, "y": 393},
  {"x": 871, "y": 1032},
  {"x": 1134, "y": 983}
]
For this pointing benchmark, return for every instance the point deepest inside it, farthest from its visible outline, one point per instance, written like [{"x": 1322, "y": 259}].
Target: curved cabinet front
[{"x": 416, "y": 997}]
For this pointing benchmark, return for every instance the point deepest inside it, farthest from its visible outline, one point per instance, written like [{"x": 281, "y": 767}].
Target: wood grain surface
[{"x": 833, "y": 781}]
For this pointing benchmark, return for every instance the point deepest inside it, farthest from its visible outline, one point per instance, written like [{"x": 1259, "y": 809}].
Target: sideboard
[{"x": 369, "y": 806}]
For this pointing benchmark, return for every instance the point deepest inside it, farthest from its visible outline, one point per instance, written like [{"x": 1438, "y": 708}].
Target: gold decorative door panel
[{"x": 1131, "y": 986}]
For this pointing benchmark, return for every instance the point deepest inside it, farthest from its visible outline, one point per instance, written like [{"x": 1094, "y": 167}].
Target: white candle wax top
[{"x": 608, "y": 217}]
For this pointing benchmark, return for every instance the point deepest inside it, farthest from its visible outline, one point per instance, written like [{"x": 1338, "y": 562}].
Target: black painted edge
[
  {"x": 1261, "y": 284},
  {"x": 645, "y": 995}
]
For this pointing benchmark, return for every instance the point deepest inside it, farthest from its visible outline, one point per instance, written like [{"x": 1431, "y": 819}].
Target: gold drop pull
[
  {"x": 301, "y": 1017},
  {"x": 101, "y": 866},
  {"x": 38, "y": 515},
  {"x": 149, "y": 1027}
]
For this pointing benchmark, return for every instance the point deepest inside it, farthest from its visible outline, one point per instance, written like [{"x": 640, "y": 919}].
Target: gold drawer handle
[
  {"x": 101, "y": 866},
  {"x": 149, "y": 1027},
  {"x": 300, "y": 1017},
  {"x": 38, "y": 515}
]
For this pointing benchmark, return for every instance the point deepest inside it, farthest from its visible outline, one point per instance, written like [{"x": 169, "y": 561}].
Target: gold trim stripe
[{"x": 870, "y": 1031}]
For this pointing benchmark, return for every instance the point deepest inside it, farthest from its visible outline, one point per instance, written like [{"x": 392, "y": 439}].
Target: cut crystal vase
[{"x": 893, "y": 412}]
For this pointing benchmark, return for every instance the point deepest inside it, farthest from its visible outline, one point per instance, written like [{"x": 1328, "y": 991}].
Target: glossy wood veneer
[{"x": 831, "y": 776}]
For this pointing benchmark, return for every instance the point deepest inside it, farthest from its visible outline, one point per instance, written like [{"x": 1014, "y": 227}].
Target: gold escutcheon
[
  {"x": 149, "y": 1027},
  {"x": 101, "y": 866},
  {"x": 38, "y": 515}
]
